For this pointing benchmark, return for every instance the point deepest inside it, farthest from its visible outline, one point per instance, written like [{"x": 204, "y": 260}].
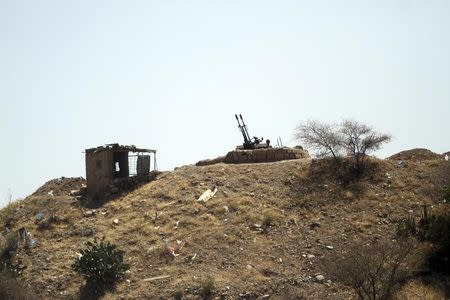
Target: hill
[{"x": 264, "y": 233}]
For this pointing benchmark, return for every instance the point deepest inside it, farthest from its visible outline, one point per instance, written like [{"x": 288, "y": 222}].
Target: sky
[{"x": 170, "y": 75}]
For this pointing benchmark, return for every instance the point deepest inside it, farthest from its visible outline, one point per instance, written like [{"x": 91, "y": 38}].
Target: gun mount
[{"x": 249, "y": 143}]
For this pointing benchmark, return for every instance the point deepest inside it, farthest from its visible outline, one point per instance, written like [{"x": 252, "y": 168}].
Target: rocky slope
[{"x": 262, "y": 235}]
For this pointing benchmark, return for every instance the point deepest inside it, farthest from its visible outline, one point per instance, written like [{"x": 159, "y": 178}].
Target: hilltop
[{"x": 263, "y": 234}]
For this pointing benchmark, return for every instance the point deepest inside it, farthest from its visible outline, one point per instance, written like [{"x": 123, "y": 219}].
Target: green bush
[
  {"x": 9, "y": 268},
  {"x": 178, "y": 295},
  {"x": 436, "y": 230},
  {"x": 446, "y": 193},
  {"x": 406, "y": 227},
  {"x": 101, "y": 264}
]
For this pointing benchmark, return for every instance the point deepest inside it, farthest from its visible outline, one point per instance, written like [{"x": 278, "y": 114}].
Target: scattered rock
[
  {"x": 88, "y": 213},
  {"x": 314, "y": 225},
  {"x": 330, "y": 247},
  {"x": 74, "y": 192},
  {"x": 320, "y": 278},
  {"x": 310, "y": 256},
  {"x": 40, "y": 216},
  {"x": 87, "y": 231},
  {"x": 116, "y": 221},
  {"x": 400, "y": 163}
]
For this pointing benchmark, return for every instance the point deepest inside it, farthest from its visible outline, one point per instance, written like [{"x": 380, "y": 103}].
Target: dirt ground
[{"x": 263, "y": 235}]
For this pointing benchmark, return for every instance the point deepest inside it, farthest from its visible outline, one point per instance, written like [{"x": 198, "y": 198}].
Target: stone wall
[
  {"x": 257, "y": 156},
  {"x": 264, "y": 155}
]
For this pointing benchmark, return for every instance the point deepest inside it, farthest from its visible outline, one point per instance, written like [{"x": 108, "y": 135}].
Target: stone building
[{"x": 113, "y": 167}]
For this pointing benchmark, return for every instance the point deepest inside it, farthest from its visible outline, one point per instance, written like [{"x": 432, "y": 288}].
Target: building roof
[{"x": 118, "y": 148}]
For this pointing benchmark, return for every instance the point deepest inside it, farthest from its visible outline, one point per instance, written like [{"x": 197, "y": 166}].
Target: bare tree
[
  {"x": 372, "y": 271},
  {"x": 321, "y": 137},
  {"x": 354, "y": 139},
  {"x": 359, "y": 139}
]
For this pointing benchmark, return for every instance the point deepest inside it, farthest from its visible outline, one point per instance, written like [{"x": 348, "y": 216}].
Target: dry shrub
[
  {"x": 422, "y": 289},
  {"x": 271, "y": 217},
  {"x": 9, "y": 246},
  {"x": 343, "y": 173},
  {"x": 13, "y": 289},
  {"x": 240, "y": 204},
  {"x": 207, "y": 287},
  {"x": 372, "y": 271},
  {"x": 439, "y": 187},
  {"x": 48, "y": 222},
  {"x": 8, "y": 214},
  {"x": 291, "y": 293},
  {"x": 349, "y": 138},
  {"x": 178, "y": 295}
]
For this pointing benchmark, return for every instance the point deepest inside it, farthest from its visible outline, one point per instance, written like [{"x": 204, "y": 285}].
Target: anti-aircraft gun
[{"x": 249, "y": 143}]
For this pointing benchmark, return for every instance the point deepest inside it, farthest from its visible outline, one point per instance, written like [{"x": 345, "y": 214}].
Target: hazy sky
[{"x": 170, "y": 75}]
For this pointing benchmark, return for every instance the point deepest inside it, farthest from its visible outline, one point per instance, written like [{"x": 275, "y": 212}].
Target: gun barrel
[
  {"x": 237, "y": 119},
  {"x": 242, "y": 119}
]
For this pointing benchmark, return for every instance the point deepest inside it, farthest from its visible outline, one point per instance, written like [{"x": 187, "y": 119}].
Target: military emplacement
[
  {"x": 113, "y": 168},
  {"x": 256, "y": 150}
]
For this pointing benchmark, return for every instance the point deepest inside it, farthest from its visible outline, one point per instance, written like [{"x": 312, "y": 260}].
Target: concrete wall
[{"x": 99, "y": 172}]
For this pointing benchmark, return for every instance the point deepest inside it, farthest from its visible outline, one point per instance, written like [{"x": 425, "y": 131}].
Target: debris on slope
[
  {"x": 61, "y": 186},
  {"x": 207, "y": 195}
]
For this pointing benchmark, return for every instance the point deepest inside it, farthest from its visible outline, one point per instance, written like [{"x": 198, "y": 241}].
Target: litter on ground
[{"x": 207, "y": 195}]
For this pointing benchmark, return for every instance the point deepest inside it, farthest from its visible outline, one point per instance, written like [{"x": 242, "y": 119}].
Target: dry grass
[
  {"x": 222, "y": 242},
  {"x": 8, "y": 214},
  {"x": 416, "y": 289},
  {"x": 14, "y": 289}
]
